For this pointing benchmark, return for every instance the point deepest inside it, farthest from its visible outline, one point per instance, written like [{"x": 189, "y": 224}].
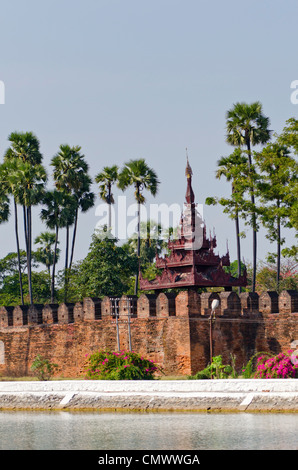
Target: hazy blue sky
[{"x": 131, "y": 79}]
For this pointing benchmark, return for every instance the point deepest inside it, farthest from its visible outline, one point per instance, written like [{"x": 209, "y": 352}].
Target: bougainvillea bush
[
  {"x": 281, "y": 366},
  {"x": 122, "y": 365}
]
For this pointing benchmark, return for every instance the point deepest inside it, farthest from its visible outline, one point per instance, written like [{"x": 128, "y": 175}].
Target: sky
[{"x": 138, "y": 79}]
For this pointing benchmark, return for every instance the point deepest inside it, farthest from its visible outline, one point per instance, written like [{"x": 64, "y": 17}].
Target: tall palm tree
[
  {"x": 30, "y": 180},
  {"x": 106, "y": 178},
  {"x": 230, "y": 168},
  {"x": 10, "y": 186},
  {"x": 58, "y": 213},
  {"x": 247, "y": 126},
  {"x": 138, "y": 174},
  {"x": 25, "y": 147},
  {"x": 84, "y": 201},
  {"x": 71, "y": 176}
]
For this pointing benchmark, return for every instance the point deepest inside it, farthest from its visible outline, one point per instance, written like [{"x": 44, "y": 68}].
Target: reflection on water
[{"x": 142, "y": 431}]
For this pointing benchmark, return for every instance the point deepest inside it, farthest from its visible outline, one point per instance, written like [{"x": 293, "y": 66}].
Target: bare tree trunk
[
  {"x": 18, "y": 252},
  {"x": 278, "y": 252},
  {"x": 238, "y": 249},
  {"x": 74, "y": 238},
  {"x": 66, "y": 264},
  {"x": 27, "y": 231},
  {"x": 254, "y": 224},
  {"x": 138, "y": 248},
  {"x": 54, "y": 267},
  {"x": 29, "y": 228}
]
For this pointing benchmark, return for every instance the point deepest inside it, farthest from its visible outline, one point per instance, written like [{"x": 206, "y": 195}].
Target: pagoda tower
[{"x": 192, "y": 262}]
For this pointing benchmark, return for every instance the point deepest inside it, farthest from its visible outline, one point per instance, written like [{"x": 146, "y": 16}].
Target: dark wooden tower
[{"x": 191, "y": 262}]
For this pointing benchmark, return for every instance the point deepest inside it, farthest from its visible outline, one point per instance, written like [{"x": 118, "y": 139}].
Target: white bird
[{"x": 214, "y": 305}]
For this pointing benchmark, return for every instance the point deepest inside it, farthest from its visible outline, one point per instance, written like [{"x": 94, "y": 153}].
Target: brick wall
[{"x": 173, "y": 331}]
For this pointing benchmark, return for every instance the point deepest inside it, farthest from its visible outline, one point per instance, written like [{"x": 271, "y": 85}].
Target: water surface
[{"x": 147, "y": 431}]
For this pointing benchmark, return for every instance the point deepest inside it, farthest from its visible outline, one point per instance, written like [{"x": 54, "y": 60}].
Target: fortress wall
[{"x": 172, "y": 330}]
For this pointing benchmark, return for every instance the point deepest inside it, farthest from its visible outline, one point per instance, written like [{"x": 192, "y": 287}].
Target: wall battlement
[
  {"x": 186, "y": 303},
  {"x": 174, "y": 331}
]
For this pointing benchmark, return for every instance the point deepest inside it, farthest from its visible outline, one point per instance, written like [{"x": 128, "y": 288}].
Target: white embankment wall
[{"x": 181, "y": 395}]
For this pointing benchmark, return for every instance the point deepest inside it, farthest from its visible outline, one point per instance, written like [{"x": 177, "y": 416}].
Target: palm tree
[
  {"x": 58, "y": 213},
  {"x": 230, "y": 168},
  {"x": 84, "y": 201},
  {"x": 247, "y": 126},
  {"x": 137, "y": 173},
  {"x": 106, "y": 178},
  {"x": 30, "y": 177},
  {"x": 9, "y": 182},
  {"x": 25, "y": 147},
  {"x": 45, "y": 253},
  {"x": 71, "y": 176}
]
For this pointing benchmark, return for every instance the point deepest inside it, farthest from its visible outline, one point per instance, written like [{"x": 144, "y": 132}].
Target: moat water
[{"x": 152, "y": 431}]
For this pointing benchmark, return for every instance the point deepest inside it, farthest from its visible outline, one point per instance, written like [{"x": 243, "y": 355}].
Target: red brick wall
[{"x": 174, "y": 332}]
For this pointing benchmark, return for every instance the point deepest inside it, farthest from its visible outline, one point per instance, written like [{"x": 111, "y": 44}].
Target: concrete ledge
[{"x": 177, "y": 395}]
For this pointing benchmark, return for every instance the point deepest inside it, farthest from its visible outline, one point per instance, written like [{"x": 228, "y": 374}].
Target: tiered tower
[{"x": 191, "y": 262}]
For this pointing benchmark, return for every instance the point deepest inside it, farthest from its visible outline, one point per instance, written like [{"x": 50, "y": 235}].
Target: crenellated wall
[{"x": 172, "y": 330}]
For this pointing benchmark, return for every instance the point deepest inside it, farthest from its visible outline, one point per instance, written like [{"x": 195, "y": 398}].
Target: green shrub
[
  {"x": 216, "y": 369},
  {"x": 122, "y": 365},
  {"x": 43, "y": 368}
]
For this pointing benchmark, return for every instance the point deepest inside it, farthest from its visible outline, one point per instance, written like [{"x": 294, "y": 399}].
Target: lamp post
[
  {"x": 128, "y": 320},
  {"x": 116, "y": 313},
  {"x": 214, "y": 305}
]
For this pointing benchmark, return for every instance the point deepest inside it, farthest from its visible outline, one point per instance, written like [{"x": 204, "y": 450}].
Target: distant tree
[
  {"x": 106, "y": 178},
  {"x": 9, "y": 280},
  {"x": 279, "y": 176},
  {"x": 289, "y": 138},
  {"x": 138, "y": 174},
  {"x": 45, "y": 253},
  {"x": 267, "y": 276},
  {"x": 58, "y": 212},
  {"x": 107, "y": 269},
  {"x": 152, "y": 242},
  {"x": 9, "y": 265},
  {"x": 247, "y": 126},
  {"x": 231, "y": 168},
  {"x": 71, "y": 177}
]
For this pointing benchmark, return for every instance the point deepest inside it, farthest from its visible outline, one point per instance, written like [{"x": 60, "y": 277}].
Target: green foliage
[
  {"x": 10, "y": 290},
  {"x": 266, "y": 276},
  {"x": 45, "y": 252},
  {"x": 43, "y": 368},
  {"x": 216, "y": 370},
  {"x": 233, "y": 268},
  {"x": 107, "y": 268},
  {"x": 151, "y": 242},
  {"x": 137, "y": 173},
  {"x": 122, "y": 365},
  {"x": 106, "y": 178}
]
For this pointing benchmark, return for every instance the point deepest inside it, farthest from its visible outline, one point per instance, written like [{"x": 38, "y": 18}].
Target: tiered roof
[{"x": 191, "y": 261}]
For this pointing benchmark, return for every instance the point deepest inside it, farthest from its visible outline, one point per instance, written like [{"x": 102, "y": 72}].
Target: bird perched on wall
[{"x": 214, "y": 305}]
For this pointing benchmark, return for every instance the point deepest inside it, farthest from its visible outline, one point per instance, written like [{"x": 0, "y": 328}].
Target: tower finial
[{"x": 188, "y": 170}]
